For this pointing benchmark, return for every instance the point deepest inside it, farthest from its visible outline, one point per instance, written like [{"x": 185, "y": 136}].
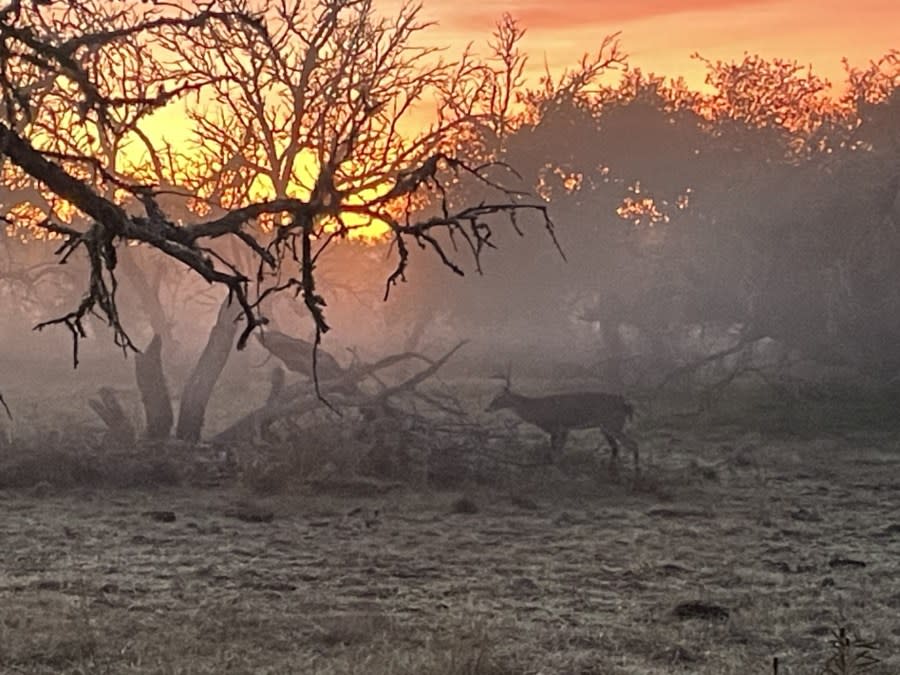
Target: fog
[{"x": 713, "y": 250}]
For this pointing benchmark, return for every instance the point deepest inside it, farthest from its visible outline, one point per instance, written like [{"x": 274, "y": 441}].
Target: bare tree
[{"x": 313, "y": 101}]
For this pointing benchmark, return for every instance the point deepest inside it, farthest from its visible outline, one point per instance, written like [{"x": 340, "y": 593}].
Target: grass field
[{"x": 735, "y": 548}]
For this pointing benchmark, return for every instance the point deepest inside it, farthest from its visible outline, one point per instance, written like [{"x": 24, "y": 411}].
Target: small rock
[
  {"x": 161, "y": 516},
  {"x": 252, "y": 514},
  {"x": 701, "y": 610}
]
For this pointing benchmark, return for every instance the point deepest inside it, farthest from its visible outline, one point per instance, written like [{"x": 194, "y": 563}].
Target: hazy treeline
[{"x": 765, "y": 213}]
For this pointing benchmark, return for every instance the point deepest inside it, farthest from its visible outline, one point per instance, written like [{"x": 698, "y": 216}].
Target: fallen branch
[
  {"x": 345, "y": 390},
  {"x": 419, "y": 377}
]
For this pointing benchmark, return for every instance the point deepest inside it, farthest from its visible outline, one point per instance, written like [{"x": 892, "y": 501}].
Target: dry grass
[
  {"x": 45, "y": 467},
  {"x": 559, "y": 572},
  {"x": 524, "y": 571}
]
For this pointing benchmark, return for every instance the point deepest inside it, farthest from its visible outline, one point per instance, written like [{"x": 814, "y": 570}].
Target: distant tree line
[{"x": 769, "y": 207}]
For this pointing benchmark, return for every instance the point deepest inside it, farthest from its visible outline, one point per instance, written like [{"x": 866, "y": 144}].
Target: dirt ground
[{"x": 776, "y": 544}]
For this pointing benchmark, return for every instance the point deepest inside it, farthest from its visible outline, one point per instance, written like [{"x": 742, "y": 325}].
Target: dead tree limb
[
  {"x": 297, "y": 355},
  {"x": 418, "y": 378},
  {"x": 297, "y": 398},
  {"x": 151, "y": 382}
]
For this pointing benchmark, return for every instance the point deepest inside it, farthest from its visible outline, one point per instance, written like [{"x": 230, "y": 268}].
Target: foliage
[{"x": 765, "y": 204}]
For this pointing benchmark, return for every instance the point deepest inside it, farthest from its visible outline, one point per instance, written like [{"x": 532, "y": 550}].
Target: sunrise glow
[{"x": 661, "y": 35}]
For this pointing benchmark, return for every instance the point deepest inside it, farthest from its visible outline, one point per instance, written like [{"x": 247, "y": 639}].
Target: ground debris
[
  {"x": 161, "y": 516},
  {"x": 839, "y": 561}
]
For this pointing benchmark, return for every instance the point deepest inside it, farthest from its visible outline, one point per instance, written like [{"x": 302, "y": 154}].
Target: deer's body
[{"x": 560, "y": 413}]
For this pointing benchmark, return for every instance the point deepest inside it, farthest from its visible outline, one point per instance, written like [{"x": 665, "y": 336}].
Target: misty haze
[{"x": 329, "y": 350}]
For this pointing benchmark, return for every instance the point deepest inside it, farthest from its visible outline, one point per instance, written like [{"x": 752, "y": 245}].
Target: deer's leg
[
  {"x": 631, "y": 445},
  {"x": 637, "y": 455},
  {"x": 614, "y": 446}
]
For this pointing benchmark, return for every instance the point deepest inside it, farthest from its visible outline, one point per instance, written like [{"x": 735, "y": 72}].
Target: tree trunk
[
  {"x": 148, "y": 295},
  {"x": 154, "y": 392},
  {"x": 199, "y": 386}
]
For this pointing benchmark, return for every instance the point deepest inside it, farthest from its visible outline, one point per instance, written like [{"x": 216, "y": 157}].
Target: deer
[{"x": 560, "y": 413}]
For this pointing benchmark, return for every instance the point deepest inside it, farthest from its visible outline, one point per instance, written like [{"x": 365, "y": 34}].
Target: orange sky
[{"x": 660, "y": 35}]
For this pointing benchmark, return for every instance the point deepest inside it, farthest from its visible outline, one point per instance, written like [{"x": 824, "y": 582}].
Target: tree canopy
[{"x": 297, "y": 135}]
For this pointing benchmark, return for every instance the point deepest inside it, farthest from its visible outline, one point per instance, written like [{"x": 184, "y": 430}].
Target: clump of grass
[
  {"x": 850, "y": 655},
  {"x": 52, "y": 641},
  {"x": 57, "y": 467},
  {"x": 351, "y": 629},
  {"x": 459, "y": 652},
  {"x": 52, "y": 466},
  {"x": 321, "y": 453}
]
